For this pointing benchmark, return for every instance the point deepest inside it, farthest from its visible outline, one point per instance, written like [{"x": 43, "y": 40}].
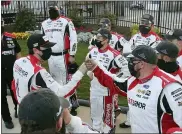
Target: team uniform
[
  {"x": 28, "y": 76},
  {"x": 101, "y": 101},
  {"x": 151, "y": 39},
  {"x": 9, "y": 49},
  {"x": 62, "y": 32},
  {"x": 155, "y": 108},
  {"x": 117, "y": 42}
]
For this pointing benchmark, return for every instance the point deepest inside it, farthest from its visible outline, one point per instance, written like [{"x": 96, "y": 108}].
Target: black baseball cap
[
  {"x": 144, "y": 53},
  {"x": 104, "y": 21},
  {"x": 39, "y": 40},
  {"x": 147, "y": 19},
  {"x": 174, "y": 34},
  {"x": 168, "y": 48},
  {"x": 43, "y": 107},
  {"x": 104, "y": 33}
]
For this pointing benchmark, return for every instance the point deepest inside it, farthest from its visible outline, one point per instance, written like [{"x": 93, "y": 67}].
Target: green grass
[{"x": 83, "y": 90}]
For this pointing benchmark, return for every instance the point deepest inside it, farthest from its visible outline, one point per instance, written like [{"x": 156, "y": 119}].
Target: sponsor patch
[
  {"x": 136, "y": 103},
  {"x": 146, "y": 86},
  {"x": 176, "y": 91}
]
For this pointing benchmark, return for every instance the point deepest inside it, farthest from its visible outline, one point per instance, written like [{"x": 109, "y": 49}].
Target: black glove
[{"x": 72, "y": 68}]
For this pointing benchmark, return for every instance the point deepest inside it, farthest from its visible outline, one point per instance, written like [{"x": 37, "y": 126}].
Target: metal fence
[{"x": 167, "y": 14}]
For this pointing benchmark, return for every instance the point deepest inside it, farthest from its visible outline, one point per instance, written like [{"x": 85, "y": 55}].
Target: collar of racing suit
[
  {"x": 34, "y": 60},
  {"x": 102, "y": 51},
  {"x": 180, "y": 53},
  {"x": 177, "y": 72},
  {"x": 140, "y": 81}
]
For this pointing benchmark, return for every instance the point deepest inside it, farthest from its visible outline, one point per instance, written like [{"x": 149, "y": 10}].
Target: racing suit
[
  {"x": 179, "y": 59},
  {"x": 28, "y": 75},
  {"x": 152, "y": 106},
  {"x": 62, "y": 32},
  {"x": 117, "y": 42},
  {"x": 101, "y": 101},
  {"x": 151, "y": 39}
]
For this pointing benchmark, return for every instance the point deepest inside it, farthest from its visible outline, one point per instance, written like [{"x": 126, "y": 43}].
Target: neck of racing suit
[
  {"x": 105, "y": 49},
  {"x": 34, "y": 60},
  {"x": 143, "y": 80}
]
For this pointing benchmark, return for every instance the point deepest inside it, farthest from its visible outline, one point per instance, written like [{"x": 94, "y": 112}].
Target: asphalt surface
[{"x": 83, "y": 113}]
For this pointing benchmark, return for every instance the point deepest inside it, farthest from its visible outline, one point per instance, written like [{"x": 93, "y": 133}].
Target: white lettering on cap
[
  {"x": 45, "y": 38},
  {"x": 60, "y": 111},
  {"x": 35, "y": 45}
]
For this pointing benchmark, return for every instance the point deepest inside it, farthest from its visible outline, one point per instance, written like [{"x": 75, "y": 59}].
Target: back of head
[
  {"x": 105, "y": 23},
  {"x": 168, "y": 48},
  {"x": 53, "y": 12},
  {"x": 40, "y": 110}
]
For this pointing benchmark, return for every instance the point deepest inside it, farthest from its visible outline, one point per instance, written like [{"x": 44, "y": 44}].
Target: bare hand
[
  {"x": 71, "y": 59},
  {"x": 66, "y": 116},
  {"x": 90, "y": 64}
]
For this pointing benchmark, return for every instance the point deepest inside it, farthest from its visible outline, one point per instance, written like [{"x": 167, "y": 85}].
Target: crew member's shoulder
[
  {"x": 165, "y": 77},
  {"x": 68, "y": 19},
  {"x": 9, "y": 35},
  {"x": 114, "y": 51},
  {"x": 117, "y": 35},
  {"x": 94, "y": 48},
  {"x": 136, "y": 35},
  {"x": 156, "y": 36},
  {"x": 21, "y": 60},
  {"x": 46, "y": 21}
]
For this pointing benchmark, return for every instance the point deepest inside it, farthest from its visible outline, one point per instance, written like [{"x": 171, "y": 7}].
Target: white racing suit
[
  {"x": 118, "y": 42},
  {"x": 151, "y": 39},
  {"x": 155, "y": 102},
  {"x": 28, "y": 75},
  {"x": 101, "y": 101},
  {"x": 62, "y": 32}
]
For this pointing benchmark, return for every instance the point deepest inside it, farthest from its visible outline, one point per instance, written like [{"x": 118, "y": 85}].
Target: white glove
[{"x": 83, "y": 68}]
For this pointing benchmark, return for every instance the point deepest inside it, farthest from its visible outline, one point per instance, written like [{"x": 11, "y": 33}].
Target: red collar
[
  {"x": 34, "y": 60},
  {"x": 180, "y": 53},
  {"x": 178, "y": 71},
  {"x": 102, "y": 51},
  {"x": 148, "y": 77}
]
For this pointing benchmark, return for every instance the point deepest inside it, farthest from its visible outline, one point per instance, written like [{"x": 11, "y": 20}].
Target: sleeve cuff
[{"x": 79, "y": 74}]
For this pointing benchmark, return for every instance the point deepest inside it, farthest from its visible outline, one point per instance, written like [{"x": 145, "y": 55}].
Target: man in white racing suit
[
  {"x": 117, "y": 41},
  {"x": 101, "y": 101},
  {"x": 175, "y": 36},
  {"x": 29, "y": 75},
  {"x": 154, "y": 97},
  {"x": 42, "y": 111},
  {"x": 167, "y": 55},
  {"x": 60, "y": 30},
  {"x": 146, "y": 36}
]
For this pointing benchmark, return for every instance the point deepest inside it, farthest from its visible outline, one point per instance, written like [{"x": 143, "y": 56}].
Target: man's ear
[
  {"x": 166, "y": 58},
  {"x": 59, "y": 123},
  {"x": 35, "y": 50}
]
